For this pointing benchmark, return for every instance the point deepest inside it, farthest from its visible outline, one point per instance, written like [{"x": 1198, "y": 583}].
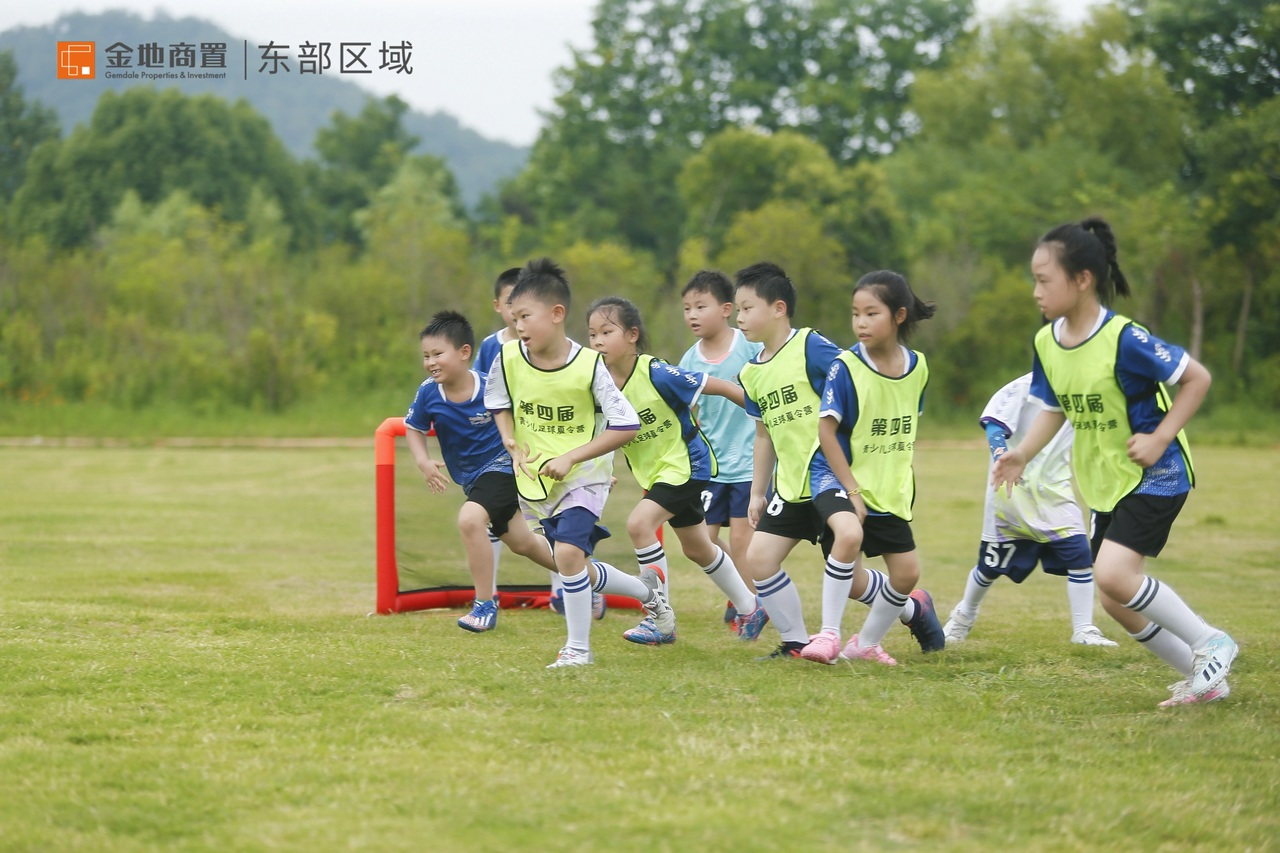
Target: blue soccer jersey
[
  {"x": 469, "y": 439},
  {"x": 1143, "y": 361},
  {"x": 489, "y": 349},
  {"x": 840, "y": 401},
  {"x": 727, "y": 427},
  {"x": 682, "y": 390}
]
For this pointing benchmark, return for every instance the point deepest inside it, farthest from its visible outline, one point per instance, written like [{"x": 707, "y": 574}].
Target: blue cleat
[
  {"x": 483, "y": 617},
  {"x": 749, "y": 627},
  {"x": 925, "y": 627}
]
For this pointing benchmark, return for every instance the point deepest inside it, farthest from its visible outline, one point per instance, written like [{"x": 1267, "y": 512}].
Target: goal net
[{"x": 421, "y": 563}]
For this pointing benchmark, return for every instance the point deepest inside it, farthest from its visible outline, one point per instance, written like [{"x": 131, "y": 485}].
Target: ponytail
[{"x": 1090, "y": 246}]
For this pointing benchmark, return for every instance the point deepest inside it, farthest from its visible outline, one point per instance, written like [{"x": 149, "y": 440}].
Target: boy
[
  {"x": 452, "y": 401},
  {"x": 544, "y": 391},
  {"x": 722, "y": 351},
  {"x": 1040, "y": 521},
  {"x": 783, "y": 387}
]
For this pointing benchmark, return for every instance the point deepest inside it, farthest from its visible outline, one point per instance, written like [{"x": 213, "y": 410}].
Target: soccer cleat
[
  {"x": 664, "y": 618},
  {"x": 556, "y": 602},
  {"x": 483, "y": 617},
  {"x": 1182, "y": 694},
  {"x": 822, "y": 648},
  {"x": 571, "y": 657},
  {"x": 788, "y": 650},
  {"x": 925, "y": 627},
  {"x": 647, "y": 634},
  {"x": 957, "y": 628},
  {"x": 1211, "y": 664},
  {"x": 749, "y": 627},
  {"x": 1089, "y": 635},
  {"x": 598, "y": 606},
  {"x": 875, "y": 653},
  {"x": 730, "y": 615}
]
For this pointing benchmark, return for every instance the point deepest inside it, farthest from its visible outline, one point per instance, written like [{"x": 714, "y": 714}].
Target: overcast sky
[{"x": 487, "y": 62}]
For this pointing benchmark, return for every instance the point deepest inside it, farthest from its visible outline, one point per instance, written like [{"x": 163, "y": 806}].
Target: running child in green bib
[
  {"x": 862, "y": 479},
  {"x": 1107, "y": 375},
  {"x": 784, "y": 386},
  {"x": 545, "y": 391},
  {"x": 670, "y": 457}
]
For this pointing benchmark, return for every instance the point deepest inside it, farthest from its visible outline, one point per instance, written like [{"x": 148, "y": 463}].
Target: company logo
[{"x": 75, "y": 60}]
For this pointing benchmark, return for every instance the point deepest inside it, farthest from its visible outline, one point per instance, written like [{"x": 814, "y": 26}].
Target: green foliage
[{"x": 23, "y": 126}]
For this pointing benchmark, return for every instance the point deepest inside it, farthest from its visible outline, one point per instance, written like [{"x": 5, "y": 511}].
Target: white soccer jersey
[{"x": 1043, "y": 506}]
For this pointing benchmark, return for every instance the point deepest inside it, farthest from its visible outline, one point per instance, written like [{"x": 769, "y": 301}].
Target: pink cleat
[
  {"x": 822, "y": 648},
  {"x": 853, "y": 652},
  {"x": 1184, "y": 695}
]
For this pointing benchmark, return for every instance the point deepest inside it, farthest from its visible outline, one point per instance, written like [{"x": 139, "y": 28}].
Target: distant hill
[{"x": 296, "y": 105}]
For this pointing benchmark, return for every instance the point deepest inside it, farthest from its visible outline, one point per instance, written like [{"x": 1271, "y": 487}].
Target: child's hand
[
  {"x": 754, "y": 508},
  {"x": 1146, "y": 449},
  {"x": 521, "y": 460},
  {"x": 859, "y": 506},
  {"x": 556, "y": 468},
  {"x": 613, "y": 481},
  {"x": 1007, "y": 471},
  {"x": 433, "y": 473}
]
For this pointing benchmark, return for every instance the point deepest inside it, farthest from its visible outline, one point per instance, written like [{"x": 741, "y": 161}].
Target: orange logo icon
[{"x": 75, "y": 60}]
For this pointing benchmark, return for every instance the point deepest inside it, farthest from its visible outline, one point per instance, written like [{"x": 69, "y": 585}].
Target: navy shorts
[
  {"x": 723, "y": 501},
  {"x": 575, "y": 526},
  {"x": 684, "y": 501},
  {"x": 800, "y": 521},
  {"x": 495, "y": 491},
  {"x": 1017, "y": 558},
  {"x": 1139, "y": 522}
]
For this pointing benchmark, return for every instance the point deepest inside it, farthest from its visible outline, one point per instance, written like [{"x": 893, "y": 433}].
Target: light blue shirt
[{"x": 728, "y": 429}]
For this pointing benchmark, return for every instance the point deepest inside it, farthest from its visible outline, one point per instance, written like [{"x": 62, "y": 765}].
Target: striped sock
[
  {"x": 1163, "y": 606},
  {"x": 837, "y": 580},
  {"x": 1164, "y": 645},
  {"x": 654, "y": 555},
  {"x": 577, "y": 610},
  {"x": 876, "y": 581},
  {"x": 883, "y": 613},
  {"x": 724, "y": 574},
  {"x": 781, "y": 600},
  {"x": 1080, "y": 597},
  {"x": 612, "y": 581}
]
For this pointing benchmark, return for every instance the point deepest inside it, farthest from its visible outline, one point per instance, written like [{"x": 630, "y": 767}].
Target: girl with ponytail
[{"x": 1106, "y": 375}]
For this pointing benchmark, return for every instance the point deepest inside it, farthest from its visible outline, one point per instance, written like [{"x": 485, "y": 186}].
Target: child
[
  {"x": 862, "y": 479},
  {"x": 721, "y": 352},
  {"x": 783, "y": 394},
  {"x": 1040, "y": 522},
  {"x": 1106, "y": 374},
  {"x": 489, "y": 349},
  {"x": 544, "y": 390},
  {"x": 452, "y": 401},
  {"x": 669, "y": 457}
]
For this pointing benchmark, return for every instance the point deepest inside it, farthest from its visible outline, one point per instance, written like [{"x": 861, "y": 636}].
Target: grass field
[{"x": 186, "y": 663}]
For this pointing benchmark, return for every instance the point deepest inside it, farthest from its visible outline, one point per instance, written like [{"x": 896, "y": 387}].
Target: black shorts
[
  {"x": 881, "y": 534},
  {"x": 684, "y": 501},
  {"x": 800, "y": 521},
  {"x": 1139, "y": 522},
  {"x": 496, "y": 492}
]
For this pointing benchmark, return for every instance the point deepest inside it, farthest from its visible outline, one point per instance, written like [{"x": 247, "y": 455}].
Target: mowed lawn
[{"x": 187, "y": 662}]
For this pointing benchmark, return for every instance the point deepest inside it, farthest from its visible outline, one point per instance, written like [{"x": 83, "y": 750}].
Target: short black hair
[
  {"x": 451, "y": 326},
  {"x": 505, "y": 279},
  {"x": 770, "y": 283},
  {"x": 712, "y": 282},
  {"x": 543, "y": 280}
]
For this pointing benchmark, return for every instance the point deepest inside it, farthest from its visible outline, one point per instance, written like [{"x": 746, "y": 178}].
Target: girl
[
  {"x": 669, "y": 457},
  {"x": 1106, "y": 374},
  {"x": 862, "y": 480}
]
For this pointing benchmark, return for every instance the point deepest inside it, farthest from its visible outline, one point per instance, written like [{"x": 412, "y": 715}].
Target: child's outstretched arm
[
  {"x": 1008, "y": 468},
  {"x": 506, "y": 425},
  {"x": 731, "y": 391},
  {"x": 1147, "y": 448},
  {"x": 432, "y": 470},
  {"x": 557, "y": 468},
  {"x": 764, "y": 457}
]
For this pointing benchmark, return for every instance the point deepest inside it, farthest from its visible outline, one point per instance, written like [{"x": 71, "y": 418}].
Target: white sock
[
  {"x": 1080, "y": 597},
  {"x": 724, "y": 574},
  {"x": 577, "y": 610},
  {"x": 497, "y": 553},
  {"x": 781, "y": 600},
  {"x": 611, "y": 581},
  {"x": 557, "y": 582},
  {"x": 1163, "y": 606},
  {"x": 655, "y": 556},
  {"x": 885, "y": 609},
  {"x": 975, "y": 589},
  {"x": 837, "y": 580},
  {"x": 876, "y": 581},
  {"x": 909, "y": 611},
  {"x": 1164, "y": 645}
]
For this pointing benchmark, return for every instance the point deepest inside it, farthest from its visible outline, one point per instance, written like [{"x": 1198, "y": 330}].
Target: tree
[
  {"x": 156, "y": 143},
  {"x": 664, "y": 75},
  {"x": 23, "y": 126}
]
